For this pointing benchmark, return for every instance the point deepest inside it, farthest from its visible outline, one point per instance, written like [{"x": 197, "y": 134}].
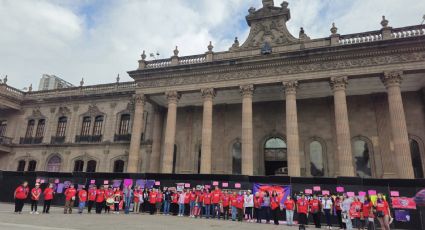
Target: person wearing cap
[
  {"x": 35, "y": 196},
  {"x": 20, "y": 195},
  {"x": 69, "y": 199}
]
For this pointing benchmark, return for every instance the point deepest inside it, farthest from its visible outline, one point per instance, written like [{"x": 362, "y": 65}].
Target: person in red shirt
[
  {"x": 100, "y": 199},
  {"x": 356, "y": 210},
  {"x": 192, "y": 200},
  {"x": 315, "y": 210},
  {"x": 215, "y": 201},
  {"x": 69, "y": 199},
  {"x": 225, "y": 202},
  {"x": 20, "y": 194},
  {"x": 257, "y": 206},
  {"x": 338, "y": 209},
  {"x": 109, "y": 199},
  {"x": 239, "y": 206},
  {"x": 206, "y": 200},
  {"x": 159, "y": 199},
  {"x": 137, "y": 192},
  {"x": 187, "y": 202},
  {"x": 35, "y": 196},
  {"x": 275, "y": 206},
  {"x": 92, "y": 197},
  {"x": 82, "y": 199},
  {"x": 302, "y": 210},
  {"x": 367, "y": 213},
  {"x": 383, "y": 212},
  {"x": 118, "y": 196},
  {"x": 234, "y": 204},
  {"x": 152, "y": 200},
  {"x": 174, "y": 203},
  {"x": 289, "y": 207},
  {"x": 48, "y": 197}
]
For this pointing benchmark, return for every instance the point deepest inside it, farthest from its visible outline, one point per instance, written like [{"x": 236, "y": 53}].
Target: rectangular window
[
  {"x": 124, "y": 124},
  {"x": 85, "y": 129},
  {"x": 3, "y": 126},
  {"x": 60, "y": 132},
  {"x": 40, "y": 128},
  {"x": 97, "y": 128},
  {"x": 30, "y": 128}
]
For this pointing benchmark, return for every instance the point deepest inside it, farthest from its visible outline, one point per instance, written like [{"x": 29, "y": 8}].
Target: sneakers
[
  {"x": 31, "y": 212},
  {"x": 36, "y": 213}
]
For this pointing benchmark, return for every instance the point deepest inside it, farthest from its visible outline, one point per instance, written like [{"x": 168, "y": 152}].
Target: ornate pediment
[
  {"x": 93, "y": 111},
  {"x": 268, "y": 27}
]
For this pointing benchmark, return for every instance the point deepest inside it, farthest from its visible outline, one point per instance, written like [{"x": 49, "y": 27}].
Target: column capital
[
  {"x": 139, "y": 99},
  {"x": 247, "y": 90},
  {"x": 290, "y": 87},
  {"x": 338, "y": 83},
  {"x": 208, "y": 93},
  {"x": 392, "y": 78},
  {"x": 173, "y": 96}
]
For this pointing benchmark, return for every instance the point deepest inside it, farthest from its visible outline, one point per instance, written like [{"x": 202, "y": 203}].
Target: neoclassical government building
[{"x": 275, "y": 104}]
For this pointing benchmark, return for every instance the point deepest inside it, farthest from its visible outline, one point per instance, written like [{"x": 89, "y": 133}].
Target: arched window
[
  {"x": 362, "y": 158},
  {"x": 316, "y": 159},
  {"x": 91, "y": 166},
  {"x": 30, "y": 128},
  {"x": 40, "y": 128},
  {"x": 237, "y": 158},
  {"x": 174, "y": 158},
  {"x": 97, "y": 128},
  {"x": 275, "y": 156},
  {"x": 78, "y": 166},
  {"x": 60, "y": 132},
  {"x": 3, "y": 126},
  {"x": 119, "y": 166},
  {"x": 32, "y": 165},
  {"x": 21, "y": 166},
  {"x": 124, "y": 124},
  {"x": 85, "y": 129},
  {"x": 416, "y": 159},
  {"x": 54, "y": 164}
]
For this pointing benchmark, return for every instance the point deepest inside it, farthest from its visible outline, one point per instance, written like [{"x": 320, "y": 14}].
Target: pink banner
[
  {"x": 105, "y": 182},
  {"x": 225, "y": 184},
  {"x": 361, "y": 193},
  {"x": 316, "y": 188},
  {"x": 371, "y": 192},
  {"x": 350, "y": 194},
  {"x": 157, "y": 183},
  {"x": 92, "y": 181},
  {"x": 308, "y": 191},
  {"x": 237, "y": 185},
  {"x": 187, "y": 185},
  {"x": 215, "y": 183},
  {"x": 340, "y": 189},
  {"x": 395, "y": 193}
]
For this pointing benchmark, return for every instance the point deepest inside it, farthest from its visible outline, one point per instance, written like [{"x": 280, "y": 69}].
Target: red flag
[{"x": 403, "y": 203}]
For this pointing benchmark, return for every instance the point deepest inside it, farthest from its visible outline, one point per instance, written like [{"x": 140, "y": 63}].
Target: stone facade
[{"x": 345, "y": 105}]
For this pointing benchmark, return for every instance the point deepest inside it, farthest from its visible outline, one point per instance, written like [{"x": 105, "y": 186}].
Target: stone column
[
  {"x": 292, "y": 137},
  {"x": 343, "y": 136},
  {"x": 156, "y": 141},
  {"x": 136, "y": 133},
  {"x": 392, "y": 81},
  {"x": 208, "y": 96},
  {"x": 170, "y": 132},
  {"x": 247, "y": 133}
]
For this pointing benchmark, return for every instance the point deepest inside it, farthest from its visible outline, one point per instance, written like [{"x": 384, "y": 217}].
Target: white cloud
[{"x": 98, "y": 39}]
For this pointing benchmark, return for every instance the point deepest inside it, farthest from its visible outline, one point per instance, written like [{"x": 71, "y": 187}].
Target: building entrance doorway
[{"x": 275, "y": 157}]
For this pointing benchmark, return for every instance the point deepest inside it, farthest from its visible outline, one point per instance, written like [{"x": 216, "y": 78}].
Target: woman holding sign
[{"x": 383, "y": 212}]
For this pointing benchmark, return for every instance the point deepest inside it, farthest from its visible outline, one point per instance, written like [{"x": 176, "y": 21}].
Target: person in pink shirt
[{"x": 35, "y": 196}]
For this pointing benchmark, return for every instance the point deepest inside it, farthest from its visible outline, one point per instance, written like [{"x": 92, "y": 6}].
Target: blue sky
[{"x": 97, "y": 39}]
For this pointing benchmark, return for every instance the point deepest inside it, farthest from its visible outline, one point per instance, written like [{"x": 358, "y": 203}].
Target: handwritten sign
[
  {"x": 395, "y": 193},
  {"x": 157, "y": 183},
  {"x": 92, "y": 181},
  {"x": 350, "y": 194},
  {"x": 215, "y": 183},
  {"x": 187, "y": 185},
  {"x": 325, "y": 192},
  {"x": 42, "y": 181},
  {"x": 316, "y": 188},
  {"x": 128, "y": 182},
  {"x": 340, "y": 189},
  {"x": 237, "y": 185},
  {"x": 225, "y": 184},
  {"x": 56, "y": 181},
  {"x": 361, "y": 193},
  {"x": 105, "y": 182},
  {"x": 308, "y": 191},
  {"x": 372, "y": 192}
]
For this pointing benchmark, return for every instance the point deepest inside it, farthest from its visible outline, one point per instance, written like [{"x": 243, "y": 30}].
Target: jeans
[
  {"x": 234, "y": 212},
  {"x": 192, "y": 208},
  {"x": 127, "y": 202},
  {"x": 166, "y": 207},
  {"x": 215, "y": 210},
  {"x": 81, "y": 206},
  {"x": 207, "y": 211},
  {"x": 181, "y": 209},
  {"x": 290, "y": 217},
  {"x": 328, "y": 217},
  {"x": 348, "y": 223}
]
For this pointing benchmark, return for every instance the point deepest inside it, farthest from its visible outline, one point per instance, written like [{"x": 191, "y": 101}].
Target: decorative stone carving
[
  {"x": 290, "y": 87},
  {"x": 334, "y": 29},
  {"x": 247, "y": 90},
  {"x": 63, "y": 110},
  {"x": 93, "y": 110},
  {"x": 173, "y": 96},
  {"x": 36, "y": 113},
  {"x": 75, "y": 108},
  {"x": 139, "y": 99},
  {"x": 338, "y": 83},
  {"x": 208, "y": 93},
  {"x": 392, "y": 78}
]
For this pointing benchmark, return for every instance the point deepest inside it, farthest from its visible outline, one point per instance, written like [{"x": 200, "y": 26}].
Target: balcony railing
[
  {"x": 30, "y": 140},
  {"x": 122, "y": 137},
  {"x": 88, "y": 139},
  {"x": 57, "y": 140},
  {"x": 5, "y": 140}
]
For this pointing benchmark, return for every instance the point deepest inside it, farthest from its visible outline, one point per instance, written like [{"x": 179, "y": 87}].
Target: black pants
[
  {"x": 240, "y": 214},
  {"x": 19, "y": 205},
  {"x": 174, "y": 208},
  {"x": 248, "y": 212},
  {"x": 266, "y": 212},
  {"x": 275, "y": 213},
  {"x": 34, "y": 204},
  {"x": 99, "y": 207},
  {"x": 116, "y": 207},
  {"x": 90, "y": 205},
  {"x": 257, "y": 214},
  {"x": 302, "y": 219},
  {"x": 46, "y": 206},
  {"x": 226, "y": 213},
  {"x": 152, "y": 208},
  {"x": 107, "y": 208},
  {"x": 316, "y": 219}
]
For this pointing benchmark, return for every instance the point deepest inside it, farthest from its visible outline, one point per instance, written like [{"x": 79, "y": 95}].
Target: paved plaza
[{"x": 56, "y": 220}]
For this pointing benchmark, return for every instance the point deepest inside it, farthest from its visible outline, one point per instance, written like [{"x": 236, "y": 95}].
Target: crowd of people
[{"x": 242, "y": 205}]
